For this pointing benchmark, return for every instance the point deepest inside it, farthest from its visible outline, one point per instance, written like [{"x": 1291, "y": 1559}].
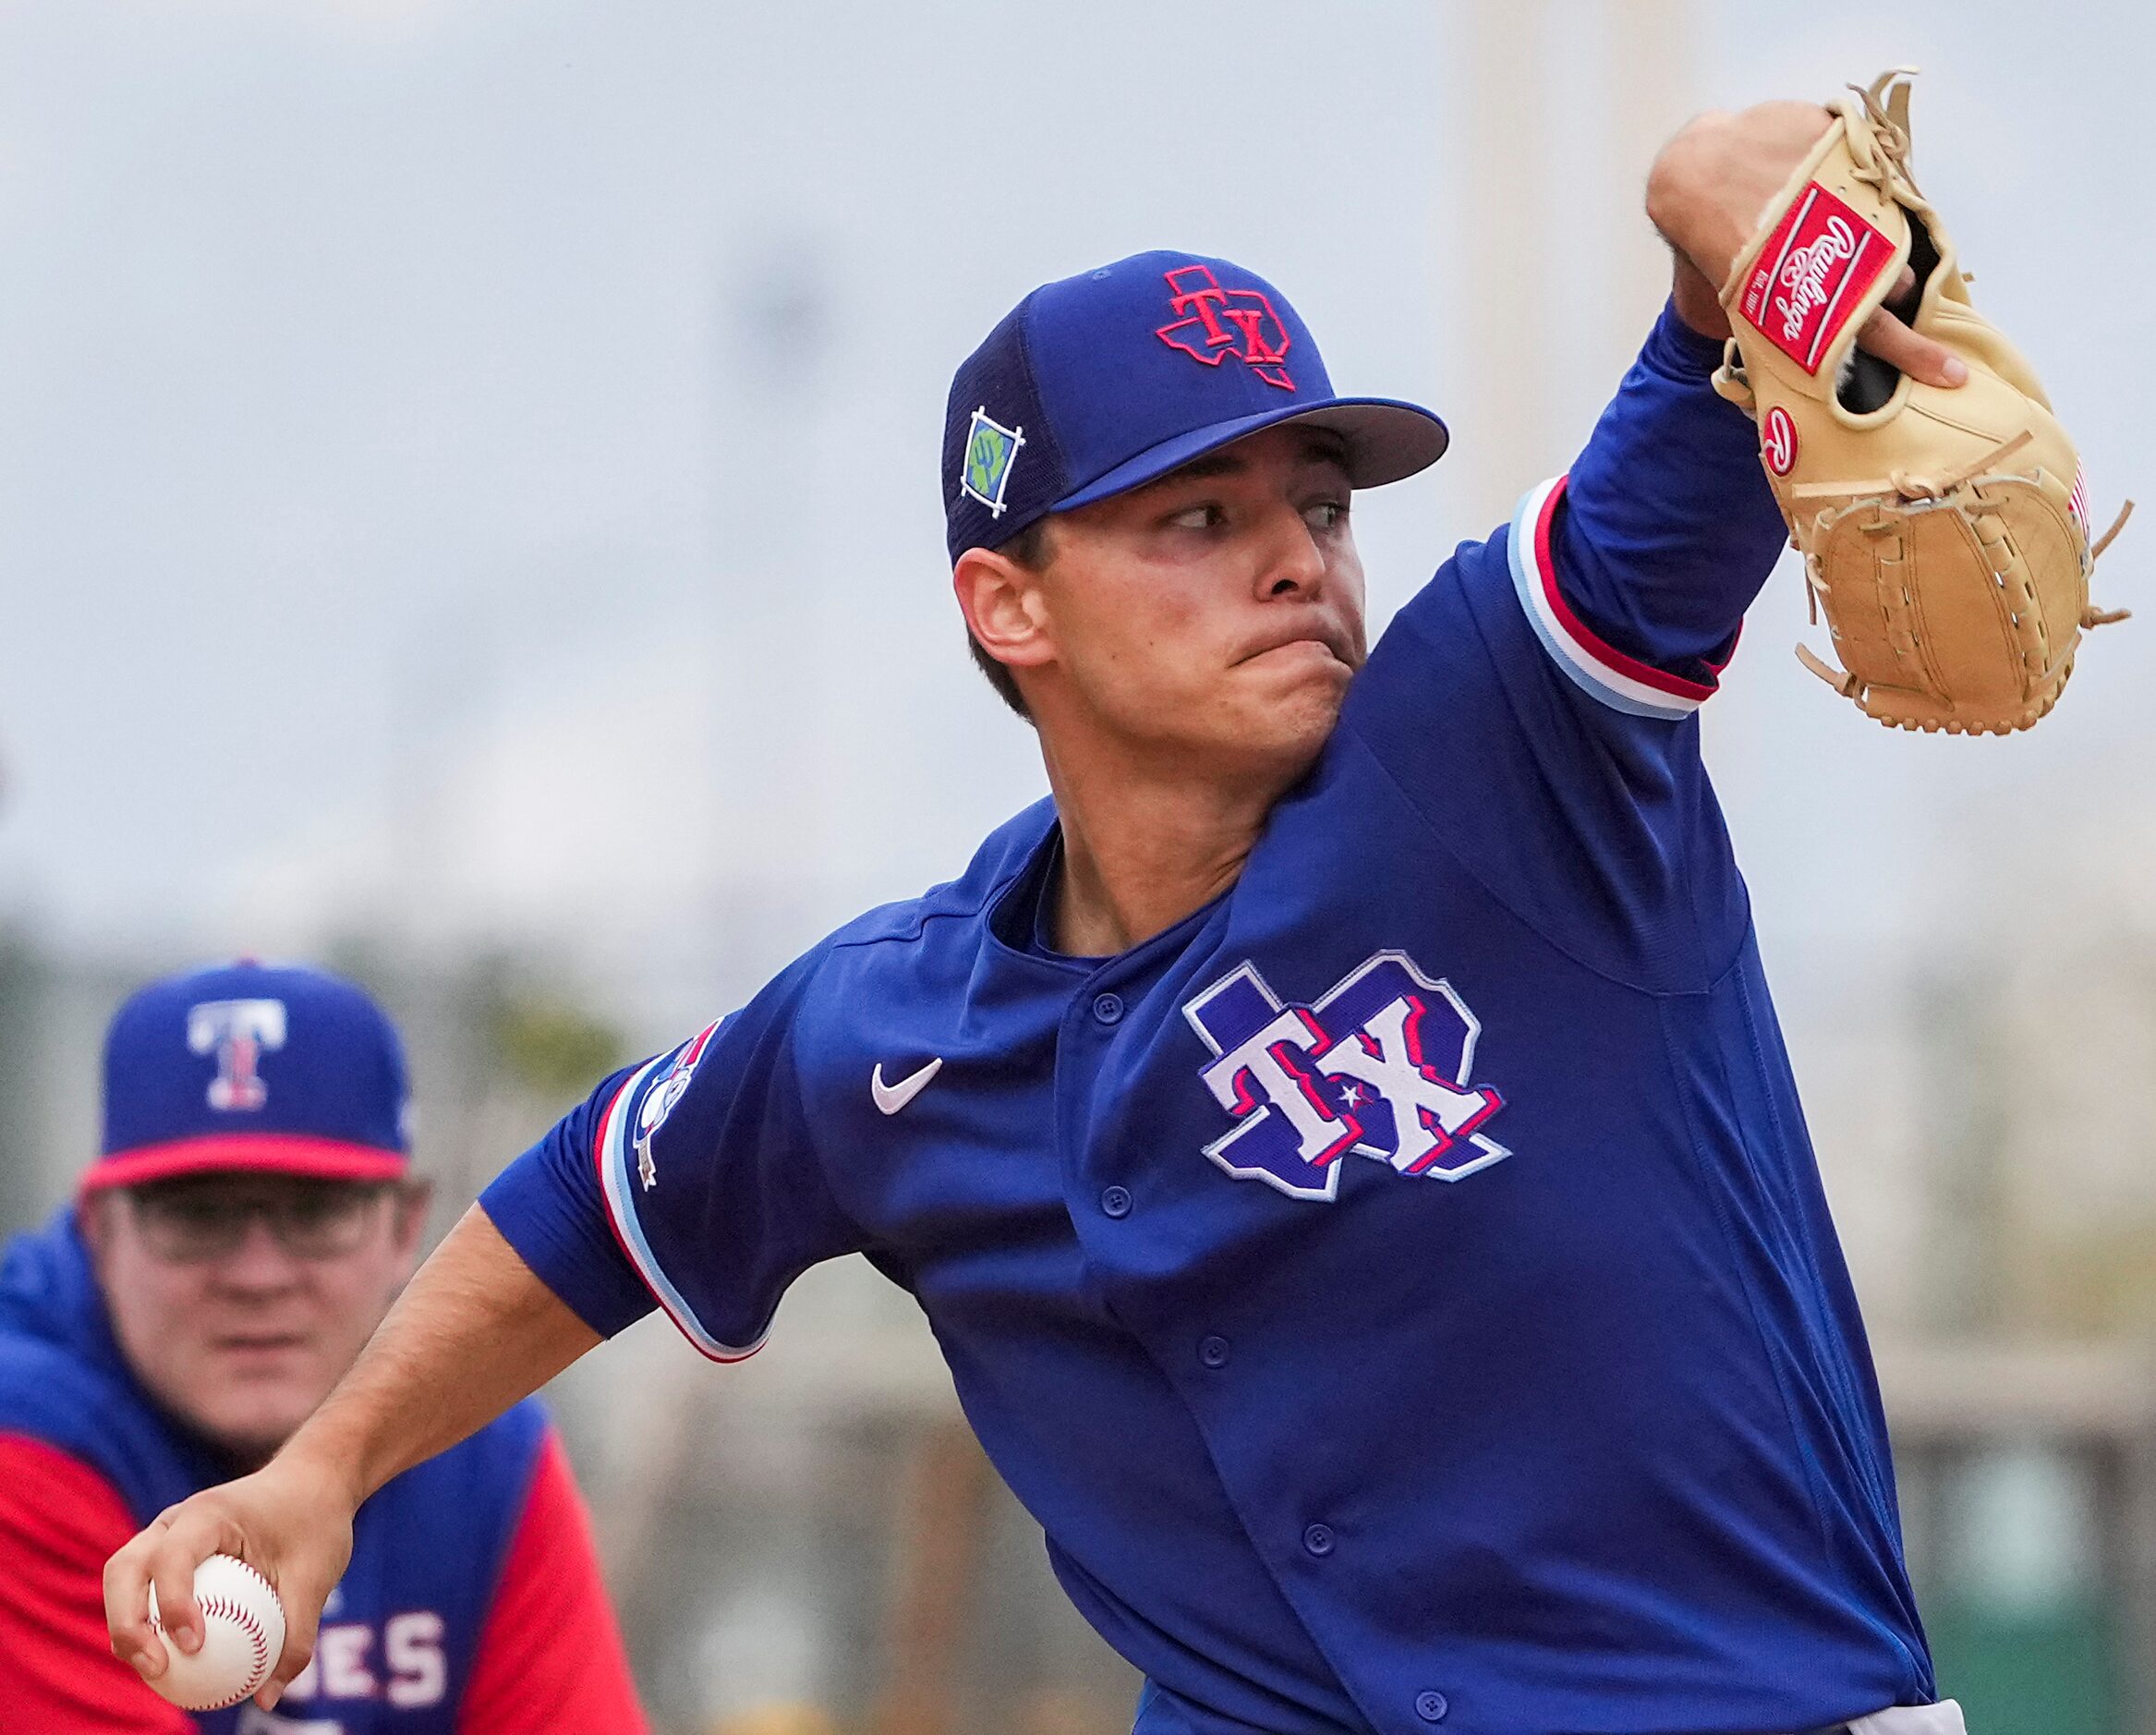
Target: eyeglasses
[{"x": 194, "y": 1221}]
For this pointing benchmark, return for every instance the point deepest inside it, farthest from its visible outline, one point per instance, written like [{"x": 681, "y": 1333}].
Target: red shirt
[{"x": 60, "y": 1522}]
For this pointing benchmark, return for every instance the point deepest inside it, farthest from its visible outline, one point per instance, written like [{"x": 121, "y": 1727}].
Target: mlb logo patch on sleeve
[{"x": 1811, "y": 274}]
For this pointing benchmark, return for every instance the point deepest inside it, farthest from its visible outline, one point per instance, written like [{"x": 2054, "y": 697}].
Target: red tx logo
[{"x": 1217, "y": 323}]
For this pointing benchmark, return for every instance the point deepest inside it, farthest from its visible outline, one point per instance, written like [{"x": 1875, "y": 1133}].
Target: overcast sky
[{"x": 489, "y": 448}]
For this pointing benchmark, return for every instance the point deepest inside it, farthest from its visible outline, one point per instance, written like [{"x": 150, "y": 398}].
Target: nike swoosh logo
[{"x": 890, "y": 1098}]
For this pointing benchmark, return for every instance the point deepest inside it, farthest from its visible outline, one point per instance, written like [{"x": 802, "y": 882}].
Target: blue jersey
[
  {"x": 398, "y": 1639},
  {"x": 1402, "y": 1289}
]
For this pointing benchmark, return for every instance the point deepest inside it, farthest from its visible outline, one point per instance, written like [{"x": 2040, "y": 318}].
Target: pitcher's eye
[{"x": 1327, "y": 515}]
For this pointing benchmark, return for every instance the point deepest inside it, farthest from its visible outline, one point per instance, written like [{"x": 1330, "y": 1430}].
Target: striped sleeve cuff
[
  {"x": 617, "y": 1176},
  {"x": 1593, "y": 664}
]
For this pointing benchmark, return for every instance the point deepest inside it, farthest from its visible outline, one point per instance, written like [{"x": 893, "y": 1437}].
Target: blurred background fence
[{"x": 467, "y": 514}]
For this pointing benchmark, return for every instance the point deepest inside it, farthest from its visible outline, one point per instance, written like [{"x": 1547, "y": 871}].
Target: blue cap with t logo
[
  {"x": 251, "y": 1067},
  {"x": 1104, "y": 382}
]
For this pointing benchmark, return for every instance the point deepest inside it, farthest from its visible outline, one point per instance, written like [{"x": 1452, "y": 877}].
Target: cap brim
[
  {"x": 258, "y": 1153},
  {"x": 1387, "y": 441}
]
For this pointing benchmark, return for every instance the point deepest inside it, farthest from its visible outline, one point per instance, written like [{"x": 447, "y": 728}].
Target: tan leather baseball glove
[{"x": 1945, "y": 530}]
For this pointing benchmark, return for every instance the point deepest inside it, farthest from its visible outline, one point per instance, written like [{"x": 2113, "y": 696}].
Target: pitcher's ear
[{"x": 1003, "y": 607}]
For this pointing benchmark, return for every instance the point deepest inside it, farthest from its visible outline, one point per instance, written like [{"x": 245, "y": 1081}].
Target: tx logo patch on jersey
[
  {"x": 990, "y": 450},
  {"x": 666, "y": 1090},
  {"x": 239, "y": 1032},
  {"x": 1376, "y": 1066},
  {"x": 1219, "y": 322}
]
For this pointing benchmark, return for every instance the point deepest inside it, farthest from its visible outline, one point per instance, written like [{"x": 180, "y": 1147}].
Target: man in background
[{"x": 250, "y": 1219}]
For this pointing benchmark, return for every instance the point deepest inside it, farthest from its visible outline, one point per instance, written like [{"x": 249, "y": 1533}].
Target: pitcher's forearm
[{"x": 475, "y": 1332}]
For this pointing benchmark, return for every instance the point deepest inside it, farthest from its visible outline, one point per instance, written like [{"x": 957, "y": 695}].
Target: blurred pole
[
  {"x": 774, "y": 761},
  {"x": 1507, "y": 254},
  {"x": 1527, "y": 272},
  {"x": 1967, "y": 1077},
  {"x": 940, "y": 1545},
  {"x": 1653, "y": 70},
  {"x": 633, "y": 1524}
]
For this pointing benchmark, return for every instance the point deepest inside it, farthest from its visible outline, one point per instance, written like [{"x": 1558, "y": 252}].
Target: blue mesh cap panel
[{"x": 997, "y": 381}]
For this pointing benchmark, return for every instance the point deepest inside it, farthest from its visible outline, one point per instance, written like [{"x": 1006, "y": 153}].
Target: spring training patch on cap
[{"x": 990, "y": 449}]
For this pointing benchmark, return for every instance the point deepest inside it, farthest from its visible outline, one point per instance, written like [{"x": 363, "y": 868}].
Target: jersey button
[
  {"x": 1213, "y": 1352},
  {"x": 1318, "y": 1540},
  {"x": 1109, "y": 1008},
  {"x": 1116, "y": 1201},
  {"x": 1431, "y": 1706}
]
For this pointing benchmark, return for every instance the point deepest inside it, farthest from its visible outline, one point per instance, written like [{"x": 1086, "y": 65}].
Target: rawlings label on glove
[{"x": 1945, "y": 530}]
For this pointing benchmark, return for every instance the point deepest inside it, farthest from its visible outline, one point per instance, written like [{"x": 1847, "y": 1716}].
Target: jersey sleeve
[
  {"x": 551, "y": 1583},
  {"x": 1536, "y": 700},
  {"x": 689, "y": 1181},
  {"x": 1635, "y": 569},
  {"x": 59, "y": 1522},
  {"x": 549, "y": 1207}
]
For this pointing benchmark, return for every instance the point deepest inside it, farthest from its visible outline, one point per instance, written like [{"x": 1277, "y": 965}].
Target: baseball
[{"x": 243, "y": 1636}]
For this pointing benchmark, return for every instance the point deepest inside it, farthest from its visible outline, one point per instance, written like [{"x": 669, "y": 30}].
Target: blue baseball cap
[
  {"x": 251, "y": 1067},
  {"x": 1104, "y": 382}
]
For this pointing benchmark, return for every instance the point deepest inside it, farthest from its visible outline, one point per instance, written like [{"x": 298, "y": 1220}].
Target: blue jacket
[{"x": 427, "y": 1549}]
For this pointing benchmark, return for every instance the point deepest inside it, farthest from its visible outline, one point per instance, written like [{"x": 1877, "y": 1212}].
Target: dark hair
[{"x": 1029, "y": 549}]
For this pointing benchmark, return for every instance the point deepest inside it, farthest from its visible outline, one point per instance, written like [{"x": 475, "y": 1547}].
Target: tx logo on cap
[
  {"x": 990, "y": 450},
  {"x": 239, "y": 1031},
  {"x": 1217, "y": 323}
]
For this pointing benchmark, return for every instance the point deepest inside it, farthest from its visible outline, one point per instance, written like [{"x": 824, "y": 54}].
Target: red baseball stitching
[{"x": 244, "y": 1619}]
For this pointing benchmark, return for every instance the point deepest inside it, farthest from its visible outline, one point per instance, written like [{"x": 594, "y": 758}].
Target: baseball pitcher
[{"x": 1340, "y": 1138}]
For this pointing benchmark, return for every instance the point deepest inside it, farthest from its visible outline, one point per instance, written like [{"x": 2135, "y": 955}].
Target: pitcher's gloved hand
[{"x": 1944, "y": 528}]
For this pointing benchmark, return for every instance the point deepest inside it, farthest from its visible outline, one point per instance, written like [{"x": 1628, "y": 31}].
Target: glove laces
[{"x": 1880, "y": 148}]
